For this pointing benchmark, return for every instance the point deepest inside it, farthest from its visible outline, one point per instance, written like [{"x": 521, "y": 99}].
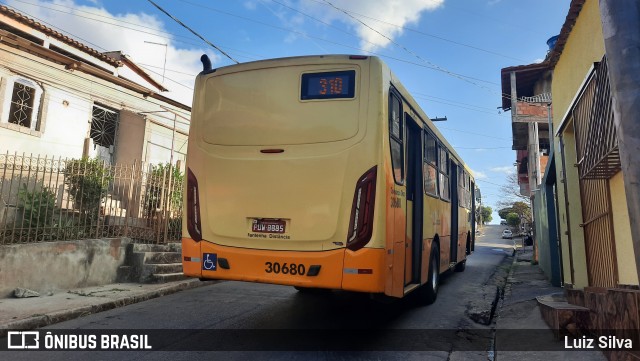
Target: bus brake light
[
  {"x": 193, "y": 207},
  {"x": 361, "y": 222}
]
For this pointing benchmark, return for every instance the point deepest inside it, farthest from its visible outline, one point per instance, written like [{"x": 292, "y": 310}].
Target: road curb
[
  {"x": 73, "y": 313},
  {"x": 499, "y": 302}
]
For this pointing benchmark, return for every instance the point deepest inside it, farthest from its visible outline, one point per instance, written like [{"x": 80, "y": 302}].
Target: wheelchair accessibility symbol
[{"x": 209, "y": 261}]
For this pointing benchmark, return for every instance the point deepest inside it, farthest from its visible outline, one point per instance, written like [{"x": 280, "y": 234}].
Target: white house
[{"x": 62, "y": 98}]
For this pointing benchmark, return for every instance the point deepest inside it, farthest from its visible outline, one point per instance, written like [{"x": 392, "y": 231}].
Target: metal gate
[{"x": 598, "y": 160}]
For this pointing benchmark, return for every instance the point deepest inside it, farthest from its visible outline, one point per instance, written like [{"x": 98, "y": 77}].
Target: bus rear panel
[{"x": 283, "y": 164}]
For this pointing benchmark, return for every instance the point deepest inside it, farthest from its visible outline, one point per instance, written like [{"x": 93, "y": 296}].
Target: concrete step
[
  {"x": 162, "y": 257},
  {"x": 169, "y": 277},
  {"x": 175, "y": 246},
  {"x": 564, "y": 317},
  {"x": 162, "y": 268}
]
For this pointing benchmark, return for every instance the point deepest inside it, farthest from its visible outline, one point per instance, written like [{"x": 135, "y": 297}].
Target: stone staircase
[{"x": 152, "y": 263}]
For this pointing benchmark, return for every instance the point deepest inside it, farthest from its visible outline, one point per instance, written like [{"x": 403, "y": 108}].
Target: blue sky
[{"x": 448, "y": 53}]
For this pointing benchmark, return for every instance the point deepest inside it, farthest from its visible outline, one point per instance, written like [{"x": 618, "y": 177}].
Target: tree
[
  {"x": 504, "y": 211},
  {"x": 511, "y": 192},
  {"x": 486, "y": 214},
  {"x": 523, "y": 210},
  {"x": 513, "y": 219}
]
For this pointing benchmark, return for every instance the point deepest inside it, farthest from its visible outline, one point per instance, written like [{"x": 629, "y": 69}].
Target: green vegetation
[
  {"x": 486, "y": 214},
  {"x": 37, "y": 206},
  {"x": 520, "y": 209},
  {"x": 513, "y": 219},
  {"x": 163, "y": 176},
  {"x": 87, "y": 181}
]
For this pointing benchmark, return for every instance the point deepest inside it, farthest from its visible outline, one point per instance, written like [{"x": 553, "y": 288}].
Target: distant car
[
  {"x": 507, "y": 234},
  {"x": 503, "y": 223}
]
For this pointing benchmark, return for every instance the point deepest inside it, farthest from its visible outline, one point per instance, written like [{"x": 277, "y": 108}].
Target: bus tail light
[
  {"x": 194, "y": 226},
  {"x": 361, "y": 222}
]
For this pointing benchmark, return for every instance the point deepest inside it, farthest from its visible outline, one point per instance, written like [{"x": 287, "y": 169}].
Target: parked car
[
  {"x": 503, "y": 222},
  {"x": 507, "y": 234}
]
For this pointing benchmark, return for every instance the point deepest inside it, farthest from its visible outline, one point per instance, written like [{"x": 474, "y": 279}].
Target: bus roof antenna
[{"x": 206, "y": 63}]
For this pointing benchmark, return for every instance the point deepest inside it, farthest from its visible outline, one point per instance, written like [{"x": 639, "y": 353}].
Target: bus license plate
[{"x": 268, "y": 225}]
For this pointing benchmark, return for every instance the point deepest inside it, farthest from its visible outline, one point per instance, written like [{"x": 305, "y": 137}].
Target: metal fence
[
  {"x": 598, "y": 160},
  {"x": 55, "y": 199}
]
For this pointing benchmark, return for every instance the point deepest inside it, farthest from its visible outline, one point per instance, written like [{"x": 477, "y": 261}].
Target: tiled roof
[{"x": 4, "y": 10}]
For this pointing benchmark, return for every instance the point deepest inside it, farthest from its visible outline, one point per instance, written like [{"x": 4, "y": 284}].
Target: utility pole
[{"x": 621, "y": 31}]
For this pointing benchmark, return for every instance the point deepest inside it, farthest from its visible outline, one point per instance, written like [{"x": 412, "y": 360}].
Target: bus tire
[
  {"x": 429, "y": 291},
  {"x": 461, "y": 266}
]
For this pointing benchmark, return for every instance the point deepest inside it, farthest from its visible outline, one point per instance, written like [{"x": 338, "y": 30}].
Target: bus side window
[
  {"x": 395, "y": 137},
  {"x": 444, "y": 173},
  {"x": 430, "y": 165},
  {"x": 462, "y": 190}
]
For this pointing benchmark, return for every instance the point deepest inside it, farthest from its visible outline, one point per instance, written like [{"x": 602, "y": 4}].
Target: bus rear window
[{"x": 328, "y": 85}]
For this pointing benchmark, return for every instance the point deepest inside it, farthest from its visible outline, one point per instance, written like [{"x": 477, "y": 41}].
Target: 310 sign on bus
[{"x": 328, "y": 85}]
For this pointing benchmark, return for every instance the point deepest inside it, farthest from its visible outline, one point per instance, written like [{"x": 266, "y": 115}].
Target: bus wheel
[
  {"x": 302, "y": 289},
  {"x": 460, "y": 267},
  {"x": 429, "y": 291}
]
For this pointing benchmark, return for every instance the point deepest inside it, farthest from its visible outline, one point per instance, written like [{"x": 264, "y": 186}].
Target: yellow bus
[{"x": 321, "y": 172}]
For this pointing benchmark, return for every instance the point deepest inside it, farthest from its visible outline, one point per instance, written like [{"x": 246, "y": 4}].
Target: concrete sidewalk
[
  {"x": 34, "y": 312},
  {"x": 519, "y": 311}
]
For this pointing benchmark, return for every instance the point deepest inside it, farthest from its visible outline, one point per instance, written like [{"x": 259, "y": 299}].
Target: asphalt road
[{"x": 259, "y": 315}]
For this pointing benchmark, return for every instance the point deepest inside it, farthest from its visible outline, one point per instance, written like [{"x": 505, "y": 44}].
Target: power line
[
  {"x": 101, "y": 19},
  {"x": 168, "y": 69},
  {"x": 427, "y": 34},
  {"x": 473, "y": 148},
  {"x": 431, "y": 66},
  {"x": 193, "y": 32},
  {"x": 154, "y": 32},
  {"x": 173, "y": 81},
  {"x": 248, "y": 19},
  {"x": 51, "y": 25},
  {"x": 495, "y": 184},
  {"x": 75, "y": 36},
  {"x": 460, "y": 106},
  {"x": 453, "y": 101},
  {"x": 478, "y": 134},
  {"x": 405, "y": 48},
  {"x": 318, "y": 20},
  {"x": 277, "y": 16},
  {"x": 423, "y": 65}
]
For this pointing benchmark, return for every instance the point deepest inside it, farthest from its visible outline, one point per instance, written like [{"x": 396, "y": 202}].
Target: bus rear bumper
[
  {"x": 361, "y": 271},
  {"x": 306, "y": 269}
]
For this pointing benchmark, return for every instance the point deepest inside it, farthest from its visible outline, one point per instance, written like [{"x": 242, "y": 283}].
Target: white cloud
[
  {"x": 250, "y": 5},
  {"x": 102, "y": 35},
  {"x": 479, "y": 175},
  {"x": 389, "y": 14},
  {"x": 506, "y": 169}
]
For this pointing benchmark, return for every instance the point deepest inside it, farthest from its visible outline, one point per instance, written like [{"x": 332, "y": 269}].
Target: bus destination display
[{"x": 329, "y": 85}]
